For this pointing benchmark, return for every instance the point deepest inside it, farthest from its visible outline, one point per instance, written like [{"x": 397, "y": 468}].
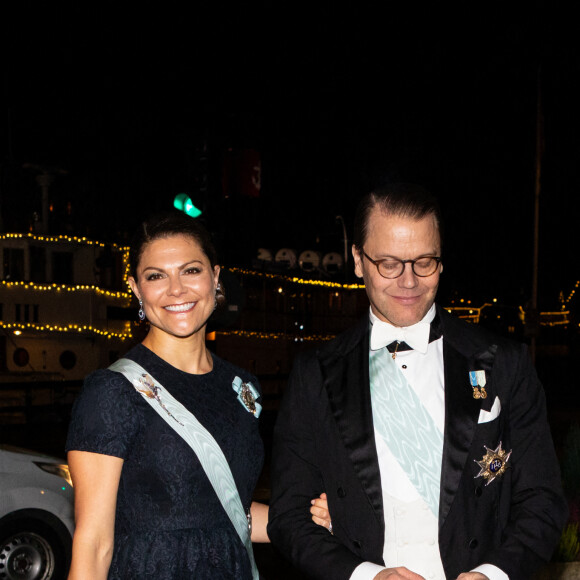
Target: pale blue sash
[
  {"x": 406, "y": 427},
  {"x": 200, "y": 440}
]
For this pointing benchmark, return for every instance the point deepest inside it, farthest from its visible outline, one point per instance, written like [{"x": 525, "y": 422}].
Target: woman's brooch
[
  {"x": 152, "y": 391},
  {"x": 247, "y": 395}
]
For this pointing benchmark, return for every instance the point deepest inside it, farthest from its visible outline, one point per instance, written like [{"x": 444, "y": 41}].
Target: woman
[{"x": 144, "y": 505}]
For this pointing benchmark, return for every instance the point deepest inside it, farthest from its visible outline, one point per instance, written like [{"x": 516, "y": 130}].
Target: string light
[
  {"x": 66, "y": 288},
  {"x": 61, "y": 289},
  {"x": 63, "y": 238},
  {"x": 469, "y": 313},
  {"x": 572, "y": 293},
  {"x": 276, "y": 335},
  {"x": 295, "y": 280},
  {"x": 69, "y": 328},
  {"x": 473, "y": 314}
]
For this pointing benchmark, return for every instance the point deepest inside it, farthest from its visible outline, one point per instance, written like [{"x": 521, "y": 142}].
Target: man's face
[{"x": 405, "y": 300}]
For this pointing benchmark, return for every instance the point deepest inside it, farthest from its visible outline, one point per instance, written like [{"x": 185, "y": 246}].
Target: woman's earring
[
  {"x": 218, "y": 291},
  {"x": 141, "y": 311}
]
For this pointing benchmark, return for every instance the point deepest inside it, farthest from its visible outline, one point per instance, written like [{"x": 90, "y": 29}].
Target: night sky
[{"x": 335, "y": 100}]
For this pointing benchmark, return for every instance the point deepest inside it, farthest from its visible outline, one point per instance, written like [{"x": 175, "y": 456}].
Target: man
[{"x": 428, "y": 435}]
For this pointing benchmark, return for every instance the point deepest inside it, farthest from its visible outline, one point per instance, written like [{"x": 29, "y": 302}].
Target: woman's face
[{"x": 176, "y": 284}]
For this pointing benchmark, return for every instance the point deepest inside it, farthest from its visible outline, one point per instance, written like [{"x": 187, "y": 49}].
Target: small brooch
[
  {"x": 152, "y": 391},
  {"x": 247, "y": 395},
  {"x": 493, "y": 464},
  {"x": 477, "y": 380}
]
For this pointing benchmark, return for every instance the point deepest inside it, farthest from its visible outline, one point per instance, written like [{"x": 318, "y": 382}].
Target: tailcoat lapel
[
  {"x": 460, "y": 422},
  {"x": 346, "y": 379},
  {"x": 460, "y": 356}
]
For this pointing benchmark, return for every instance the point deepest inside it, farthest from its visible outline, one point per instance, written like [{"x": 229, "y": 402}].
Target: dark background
[{"x": 334, "y": 99}]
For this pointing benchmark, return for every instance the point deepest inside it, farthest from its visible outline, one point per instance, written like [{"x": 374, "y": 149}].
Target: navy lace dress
[{"x": 169, "y": 521}]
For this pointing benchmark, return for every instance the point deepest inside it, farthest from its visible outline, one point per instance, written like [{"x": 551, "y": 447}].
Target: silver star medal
[{"x": 493, "y": 464}]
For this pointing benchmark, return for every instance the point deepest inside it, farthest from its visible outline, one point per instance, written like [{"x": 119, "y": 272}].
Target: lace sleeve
[{"x": 104, "y": 418}]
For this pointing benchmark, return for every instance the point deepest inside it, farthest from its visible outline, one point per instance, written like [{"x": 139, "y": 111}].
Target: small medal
[
  {"x": 478, "y": 380},
  {"x": 493, "y": 464}
]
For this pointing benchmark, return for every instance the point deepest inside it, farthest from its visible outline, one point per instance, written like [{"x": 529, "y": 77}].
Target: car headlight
[{"x": 61, "y": 470}]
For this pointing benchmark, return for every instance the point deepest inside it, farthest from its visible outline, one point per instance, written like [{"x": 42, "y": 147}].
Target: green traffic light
[{"x": 183, "y": 203}]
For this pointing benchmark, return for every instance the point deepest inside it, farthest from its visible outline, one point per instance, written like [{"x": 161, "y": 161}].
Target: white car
[{"x": 36, "y": 516}]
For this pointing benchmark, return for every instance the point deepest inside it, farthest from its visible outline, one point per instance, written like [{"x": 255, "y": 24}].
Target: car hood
[{"x": 32, "y": 455}]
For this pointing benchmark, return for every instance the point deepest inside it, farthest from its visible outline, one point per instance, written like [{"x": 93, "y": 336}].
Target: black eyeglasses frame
[{"x": 377, "y": 263}]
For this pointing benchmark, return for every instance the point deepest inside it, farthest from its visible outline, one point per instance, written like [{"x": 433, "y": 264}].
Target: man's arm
[
  {"x": 297, "y": 478},
  {"x": 537, "y": 509}
]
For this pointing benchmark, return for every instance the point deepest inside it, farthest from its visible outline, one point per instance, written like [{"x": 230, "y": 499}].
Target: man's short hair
[{"x": 406, "y": 200}]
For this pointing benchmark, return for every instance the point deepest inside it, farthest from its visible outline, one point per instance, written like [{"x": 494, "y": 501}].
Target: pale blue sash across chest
[{"x": 406, "y": 427}]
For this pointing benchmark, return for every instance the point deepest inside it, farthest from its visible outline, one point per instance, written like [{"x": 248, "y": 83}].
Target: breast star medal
[
  {"x": 493, "y": 464},
  {"x": 477, "y": 380}
]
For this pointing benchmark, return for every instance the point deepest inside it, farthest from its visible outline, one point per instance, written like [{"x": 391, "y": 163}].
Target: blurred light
[{"x": 183, "y": 203}]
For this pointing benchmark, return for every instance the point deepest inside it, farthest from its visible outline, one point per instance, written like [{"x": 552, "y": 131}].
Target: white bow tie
[{"x": 416, "y": 336}]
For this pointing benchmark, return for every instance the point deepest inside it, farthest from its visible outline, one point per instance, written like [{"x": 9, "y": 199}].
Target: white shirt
[{"x": 405, "y": 511}]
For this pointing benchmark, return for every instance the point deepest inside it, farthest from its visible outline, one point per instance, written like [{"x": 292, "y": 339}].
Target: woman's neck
[{"x": 186, "y": 354}]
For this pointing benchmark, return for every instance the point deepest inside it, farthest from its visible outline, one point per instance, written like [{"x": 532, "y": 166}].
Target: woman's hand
[{"x": 320, "y": 513}]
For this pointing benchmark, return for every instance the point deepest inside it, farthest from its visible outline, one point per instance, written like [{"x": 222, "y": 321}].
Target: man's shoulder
[
  {"x": 341, "y": 345},
  {"x": 347, "y": 340},
  {"x": 469, "y": 337}
]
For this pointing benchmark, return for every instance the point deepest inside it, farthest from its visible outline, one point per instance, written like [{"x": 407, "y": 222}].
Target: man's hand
[
  {"x": 472, "y": 576},
  {"x": 399, "y": 573}
]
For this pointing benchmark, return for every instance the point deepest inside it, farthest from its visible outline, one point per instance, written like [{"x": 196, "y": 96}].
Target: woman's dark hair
[
  {"x": 165, "y": 225},
  {"x": 401, "y": 199}
]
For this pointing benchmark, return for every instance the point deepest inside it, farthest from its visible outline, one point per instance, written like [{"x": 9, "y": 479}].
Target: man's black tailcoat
[{"x": 324, "y": 442}]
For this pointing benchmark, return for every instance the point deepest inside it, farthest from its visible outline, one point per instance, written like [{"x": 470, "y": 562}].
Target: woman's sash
[{"x": 201, "y": 442}]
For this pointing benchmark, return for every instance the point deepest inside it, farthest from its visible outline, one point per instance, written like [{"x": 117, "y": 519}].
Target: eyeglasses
[{"x": 393, "y": 268}]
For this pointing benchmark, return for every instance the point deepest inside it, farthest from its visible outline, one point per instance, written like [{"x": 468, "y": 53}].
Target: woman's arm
[
  {"x": 96, "y": 482},
  {"x": 259, "y": 511}
]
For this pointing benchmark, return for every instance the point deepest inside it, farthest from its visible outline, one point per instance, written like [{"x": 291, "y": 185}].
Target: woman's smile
[{"x": 180, "y": 307}]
